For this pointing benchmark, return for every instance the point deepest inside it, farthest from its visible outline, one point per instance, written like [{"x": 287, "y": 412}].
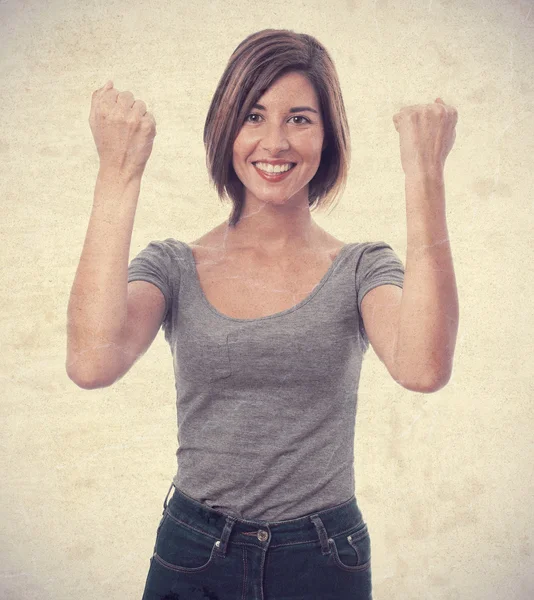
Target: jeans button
[{"x": 262, "y": 535}]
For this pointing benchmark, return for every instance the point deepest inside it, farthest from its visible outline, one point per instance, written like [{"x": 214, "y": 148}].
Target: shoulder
[
  {"x": 210, "y": 240},
  {"x": 330, "y": 245}
]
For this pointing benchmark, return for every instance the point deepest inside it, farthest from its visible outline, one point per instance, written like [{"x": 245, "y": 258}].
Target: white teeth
[{"x": 273, "y": 169}]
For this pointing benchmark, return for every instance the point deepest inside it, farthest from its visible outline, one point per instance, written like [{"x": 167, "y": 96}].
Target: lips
[{"x": 273, "y": 177}]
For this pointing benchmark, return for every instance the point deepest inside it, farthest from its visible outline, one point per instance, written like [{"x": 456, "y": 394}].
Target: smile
[{"x": 273, "y": 175}]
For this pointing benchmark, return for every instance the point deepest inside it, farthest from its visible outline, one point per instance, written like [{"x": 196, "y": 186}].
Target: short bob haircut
[{"x": 257, "y": 62}]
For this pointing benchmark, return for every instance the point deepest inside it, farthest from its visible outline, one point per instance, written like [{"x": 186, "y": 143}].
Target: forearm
[
  {"x": 97, "y": 310},
  {"x": 428, "y": 322}
]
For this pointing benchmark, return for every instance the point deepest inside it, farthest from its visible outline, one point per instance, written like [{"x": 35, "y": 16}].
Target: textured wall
[{"x": 445, "y": 479}]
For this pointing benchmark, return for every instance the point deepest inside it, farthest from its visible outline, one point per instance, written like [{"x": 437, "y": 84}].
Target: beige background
[{"x": 445, "y": 480}]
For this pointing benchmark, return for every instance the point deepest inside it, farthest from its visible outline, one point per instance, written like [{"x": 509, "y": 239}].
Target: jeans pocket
[
  {"x": 352, "y": 550},
  {"x": 158, "y": 530},
  {"x": 181, "y": 548},
  {"x": 159, "y": 526}
]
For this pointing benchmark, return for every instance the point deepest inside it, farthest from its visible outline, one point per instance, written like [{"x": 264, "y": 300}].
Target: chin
[{"x": 273, "y": 197}]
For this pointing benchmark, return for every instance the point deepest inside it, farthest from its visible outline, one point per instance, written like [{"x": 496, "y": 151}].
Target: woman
[{"x": 268, "y": 318}]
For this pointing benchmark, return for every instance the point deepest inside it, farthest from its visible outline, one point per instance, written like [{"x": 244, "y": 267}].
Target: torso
[{"x": 241, "y": 285}]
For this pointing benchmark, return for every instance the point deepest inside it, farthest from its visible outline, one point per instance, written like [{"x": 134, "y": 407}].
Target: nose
[{"x": 274, "y": 139}]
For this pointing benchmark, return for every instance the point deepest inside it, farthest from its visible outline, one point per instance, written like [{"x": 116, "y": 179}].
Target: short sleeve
[
  {"x": 155, "y": 264},
  {"x": 378, "y": 265}
]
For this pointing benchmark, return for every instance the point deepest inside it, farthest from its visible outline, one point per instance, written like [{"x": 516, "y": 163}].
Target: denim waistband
[{"x": 324, "y": 523}]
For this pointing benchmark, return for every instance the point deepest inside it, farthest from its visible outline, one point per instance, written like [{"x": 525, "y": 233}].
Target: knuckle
[{"x": 147, "y": 124}]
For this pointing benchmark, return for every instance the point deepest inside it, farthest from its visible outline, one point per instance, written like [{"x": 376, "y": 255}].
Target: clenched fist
[
  {"x": 426, "y": 136},
  {"x": 123, "y": 130}
]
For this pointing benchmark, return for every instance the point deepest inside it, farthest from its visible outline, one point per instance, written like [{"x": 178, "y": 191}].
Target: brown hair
[{"x": 253, "y": 67}]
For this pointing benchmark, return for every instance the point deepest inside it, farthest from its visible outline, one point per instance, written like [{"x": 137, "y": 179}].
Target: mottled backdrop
[{"x": 445, "y": 479}]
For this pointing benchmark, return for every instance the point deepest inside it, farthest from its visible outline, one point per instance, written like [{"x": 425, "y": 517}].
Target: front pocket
[
  {"x": 158, "y": 530},
  {"x": 180, "y": 548},
  {"x": 352, "y": 551},
  {"x": 160, "y": 524}
]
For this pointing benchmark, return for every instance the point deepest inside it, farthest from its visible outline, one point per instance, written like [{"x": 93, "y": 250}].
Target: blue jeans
[{"x": 202, "y": 553}]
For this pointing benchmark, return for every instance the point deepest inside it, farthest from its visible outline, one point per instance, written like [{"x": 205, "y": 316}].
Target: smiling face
[{"x": 285, "y": 126}]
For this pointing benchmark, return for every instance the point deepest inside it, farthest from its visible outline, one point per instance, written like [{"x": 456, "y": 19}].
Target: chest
[{"x": 251, "y": 289}]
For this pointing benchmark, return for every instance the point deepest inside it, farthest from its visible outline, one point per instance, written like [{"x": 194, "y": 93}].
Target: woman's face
[{"x": 276, "y": 131}]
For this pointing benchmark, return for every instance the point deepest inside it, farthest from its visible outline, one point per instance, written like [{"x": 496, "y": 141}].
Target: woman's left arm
[{"x": 428, "y": 316}]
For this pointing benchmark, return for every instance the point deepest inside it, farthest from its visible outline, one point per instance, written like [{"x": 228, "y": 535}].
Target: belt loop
[
  {"x": 165, "y": 501},
  {"x": 323, "y": 536},
  {"x": 225, "y": 535}
]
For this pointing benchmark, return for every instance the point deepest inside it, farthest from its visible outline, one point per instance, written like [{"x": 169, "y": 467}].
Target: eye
[
  {"x": 251, "y": 115},
  {"x": 306, "y": 120}
]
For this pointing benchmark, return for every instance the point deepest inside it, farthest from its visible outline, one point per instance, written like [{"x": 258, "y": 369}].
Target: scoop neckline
[{"x": 304, "y": 301}]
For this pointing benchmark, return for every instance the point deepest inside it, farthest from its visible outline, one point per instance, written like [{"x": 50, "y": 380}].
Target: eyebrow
[{"x": 291, "y": 110}]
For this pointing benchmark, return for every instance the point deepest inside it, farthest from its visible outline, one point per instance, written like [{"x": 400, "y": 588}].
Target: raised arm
[{"x": 110, "y": 323}]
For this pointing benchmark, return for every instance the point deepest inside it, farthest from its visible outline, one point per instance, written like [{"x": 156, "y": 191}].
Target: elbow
[
  {"x": 425, "y": 377},
  {"x": 428, "y": 385},
  {"x": 431, "y": 386},
  {"x": 91, "y": 370},
  {"x": 86, "y": 383},
  {"x": 85, "y": 380}
]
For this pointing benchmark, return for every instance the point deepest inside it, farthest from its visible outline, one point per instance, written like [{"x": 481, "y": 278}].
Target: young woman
[{"x": 268, "y": 317}]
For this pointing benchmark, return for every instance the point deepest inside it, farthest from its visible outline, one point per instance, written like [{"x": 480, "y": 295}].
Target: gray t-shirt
[{"x": 266, "y": 407}]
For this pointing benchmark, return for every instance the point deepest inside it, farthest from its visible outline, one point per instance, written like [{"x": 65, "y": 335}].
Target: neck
[{"x": 273, "y": 228}]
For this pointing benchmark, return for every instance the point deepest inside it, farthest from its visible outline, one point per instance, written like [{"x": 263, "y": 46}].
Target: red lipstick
[{"x": 273, "y": 177}]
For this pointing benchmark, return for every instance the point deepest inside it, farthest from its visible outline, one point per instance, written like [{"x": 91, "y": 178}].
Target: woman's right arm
[{"x": 110, "y": 322}]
